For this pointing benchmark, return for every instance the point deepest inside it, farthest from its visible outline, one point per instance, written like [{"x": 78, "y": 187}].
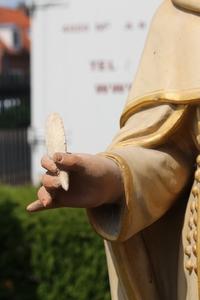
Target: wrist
[{"x": 114, "y": 181}]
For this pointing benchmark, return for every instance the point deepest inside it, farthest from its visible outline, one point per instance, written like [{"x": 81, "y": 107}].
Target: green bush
[{"x": 51, "y": 255}]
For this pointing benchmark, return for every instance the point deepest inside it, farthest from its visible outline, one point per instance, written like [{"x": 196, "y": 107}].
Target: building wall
[{"x": 6, "y": 35}]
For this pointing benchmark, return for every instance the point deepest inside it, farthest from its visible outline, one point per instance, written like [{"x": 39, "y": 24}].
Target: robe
[{"x": 152, "y": 234}]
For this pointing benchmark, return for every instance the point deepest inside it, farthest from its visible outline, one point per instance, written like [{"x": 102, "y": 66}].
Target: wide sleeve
[{"x": 153, "y": 176}]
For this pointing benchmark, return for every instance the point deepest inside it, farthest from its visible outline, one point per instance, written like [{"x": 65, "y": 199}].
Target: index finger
[{"x": 38, "y": 206}]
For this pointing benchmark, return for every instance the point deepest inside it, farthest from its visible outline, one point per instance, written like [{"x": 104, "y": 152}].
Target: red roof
[
  {"x": 16, "y": 16},
  {"x": 20, "y": 19}
]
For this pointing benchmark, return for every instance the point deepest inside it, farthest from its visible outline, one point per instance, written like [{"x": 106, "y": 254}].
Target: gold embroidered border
[
  {"x": 190, "y": 5},
  {"x": 124, "y": 206},
  {"x": 183, "y": 97},
  {"x": 160, "y": 135},
  {"x": 126, "y": 173}
]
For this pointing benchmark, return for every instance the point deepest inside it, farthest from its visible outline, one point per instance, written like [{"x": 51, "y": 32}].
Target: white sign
[{"x": 85, "y": 54}]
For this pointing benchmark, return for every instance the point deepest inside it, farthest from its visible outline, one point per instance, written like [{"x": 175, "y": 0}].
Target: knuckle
[
  {"x": 44, "y": 197},
  {"x": 40, "y": 193},
  {"x": 75, "y": 161},
  {"x": 43, "y": 161},
  {"x": 48, "y": 202},
  {"x": 52, "y": 167},
  {"x": 44, "y": 180},
  {"x": 49, "y": 181}
]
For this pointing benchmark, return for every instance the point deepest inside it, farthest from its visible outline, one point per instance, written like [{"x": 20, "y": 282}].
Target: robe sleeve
[{"x": 153, "y": 177}]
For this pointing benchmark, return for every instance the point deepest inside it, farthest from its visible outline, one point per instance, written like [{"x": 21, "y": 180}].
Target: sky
[{"x": 10, "y": 3}]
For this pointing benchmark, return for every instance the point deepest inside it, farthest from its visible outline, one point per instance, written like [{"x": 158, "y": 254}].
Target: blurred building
[
  {"x": 14, "y": 42},
  {"x": 14, "y": 96}
]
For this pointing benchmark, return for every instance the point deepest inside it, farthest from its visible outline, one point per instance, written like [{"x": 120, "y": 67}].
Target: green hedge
[{"x": 51, "y": 255}]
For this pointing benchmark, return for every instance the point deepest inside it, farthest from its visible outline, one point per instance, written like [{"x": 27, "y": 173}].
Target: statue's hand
[{"x": 94, "y": 180}]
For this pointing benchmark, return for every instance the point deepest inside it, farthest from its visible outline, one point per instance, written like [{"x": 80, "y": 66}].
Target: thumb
[{"x": 68, "y": 162}]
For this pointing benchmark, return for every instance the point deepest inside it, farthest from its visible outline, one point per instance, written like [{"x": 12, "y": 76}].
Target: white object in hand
[{"x": 56, "y": 142}]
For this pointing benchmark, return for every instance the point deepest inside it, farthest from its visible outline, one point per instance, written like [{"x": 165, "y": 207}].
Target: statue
[{"x": 143, "y": 194}]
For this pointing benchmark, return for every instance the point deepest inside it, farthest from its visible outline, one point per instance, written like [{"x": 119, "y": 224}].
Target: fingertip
[
  {"x": 44, "y": 159},
  {"x": 35, "y": 206}
]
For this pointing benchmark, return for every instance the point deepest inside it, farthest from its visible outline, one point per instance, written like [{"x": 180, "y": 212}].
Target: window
[{"x": 16, "y": 38}]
